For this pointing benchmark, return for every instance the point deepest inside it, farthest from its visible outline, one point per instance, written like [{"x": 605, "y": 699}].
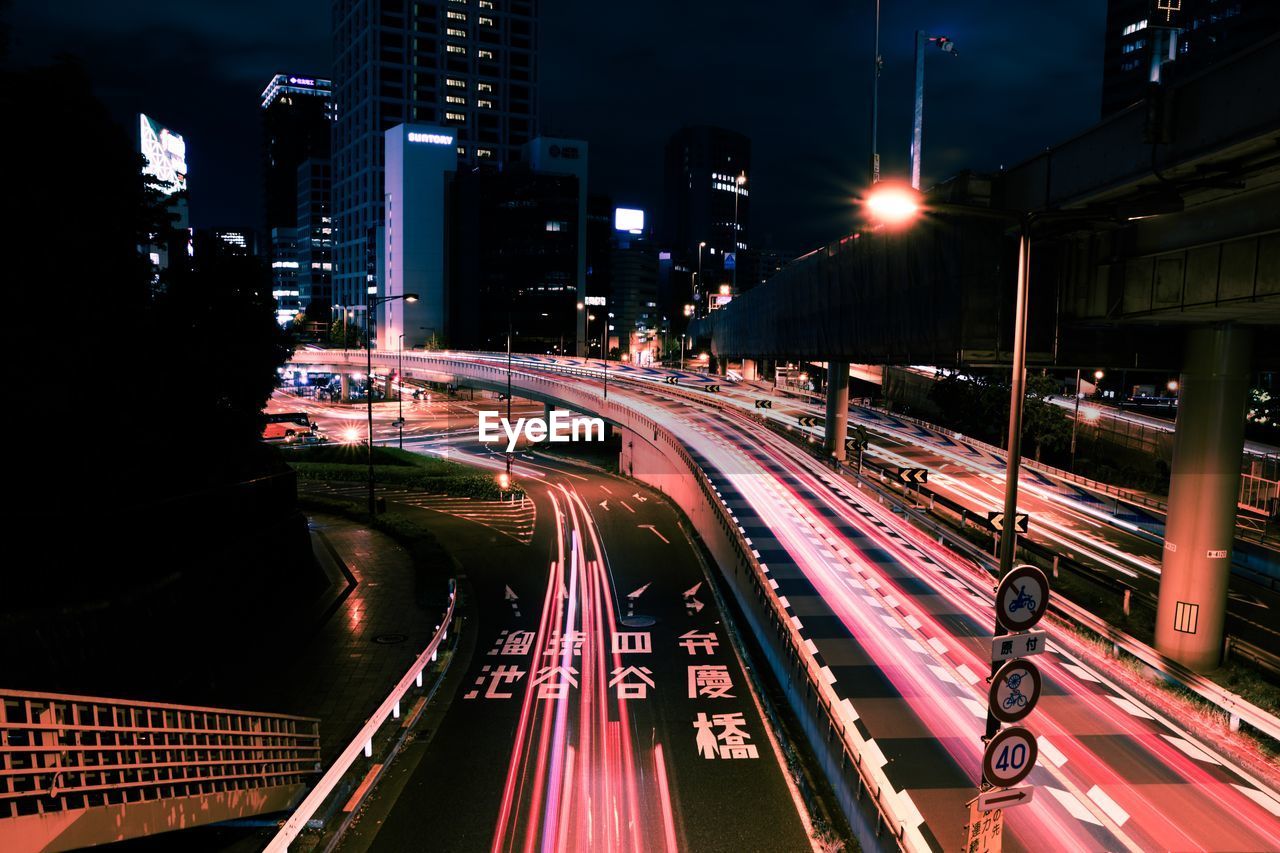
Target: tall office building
[
  {"x": 297, "y": 123},
  {"x": 707, "y": 208},
  {"x": 1141, "y": 35},
  {"x": 466, "y": 65}
]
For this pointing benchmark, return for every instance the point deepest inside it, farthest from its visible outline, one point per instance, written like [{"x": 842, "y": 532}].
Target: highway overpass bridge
[{"x": 1162, "y": 251}]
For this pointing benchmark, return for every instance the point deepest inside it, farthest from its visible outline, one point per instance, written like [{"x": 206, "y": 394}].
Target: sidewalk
[{"x": 334, "y": 655}]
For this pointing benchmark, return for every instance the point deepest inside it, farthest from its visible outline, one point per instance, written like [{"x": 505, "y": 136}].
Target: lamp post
[
  {"x": 896, "y": 206},
  {"x": 400, "y": 389},
  {"x": 508, "y": 383},
  {"x": 1075, "y": 421},
  {"x": 737, "y": 193},
  {"x": 875, "y": 101},
  {"x": 946, "y": 45},
  {"x": 374, "y": 302}
]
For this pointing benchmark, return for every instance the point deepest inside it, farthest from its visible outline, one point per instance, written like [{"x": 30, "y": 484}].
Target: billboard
[
  {"x": 166, "y": 153},
  {"x": 628, "y": 219}
]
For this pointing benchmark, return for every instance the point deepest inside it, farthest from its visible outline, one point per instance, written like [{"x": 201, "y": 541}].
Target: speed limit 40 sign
[{"x": 1009, "y": 757}]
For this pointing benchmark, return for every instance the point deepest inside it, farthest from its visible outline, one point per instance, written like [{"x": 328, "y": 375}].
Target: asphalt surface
[{"x": 579, "y": 722}]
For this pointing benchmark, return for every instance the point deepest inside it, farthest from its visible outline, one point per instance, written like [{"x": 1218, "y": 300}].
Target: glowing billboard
[
  {"x": 628, "y": 219},
  {"x": 166, "y": 153}
]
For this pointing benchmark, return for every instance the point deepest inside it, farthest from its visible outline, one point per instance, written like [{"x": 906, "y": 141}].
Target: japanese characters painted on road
[
  {"x": 1022, "y": 598},
  {"x": 1005, "y": 798},
  {"x": 1010, "y": 756},
  {"x": 1023, "y": 645},
  {"x": 985, "y": 830},
  {"x": 1015, "y": 689}
]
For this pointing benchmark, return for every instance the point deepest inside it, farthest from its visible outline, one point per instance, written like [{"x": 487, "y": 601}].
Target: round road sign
[
  {"x": 1009, "y": 757},
  {"x": 1022, "y": 598},
  {"x": 1015, "y": 689}
]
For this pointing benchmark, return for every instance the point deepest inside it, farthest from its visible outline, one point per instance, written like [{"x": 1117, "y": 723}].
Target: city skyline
[{"x": 805, "y": 78}]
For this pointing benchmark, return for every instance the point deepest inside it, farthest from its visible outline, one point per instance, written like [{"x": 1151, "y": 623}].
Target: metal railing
[
  {"x": 61, "y": 753},
  {"x": 361, "y": 745}
]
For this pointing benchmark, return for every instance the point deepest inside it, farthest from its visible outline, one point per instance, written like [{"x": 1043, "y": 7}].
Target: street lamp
[
  {"x": 374, "y": 302},
  {"x": 698, "y": 280},
  {"x": 892, "y": 204},
  {"x": 946, "y": 45},
  {"x": 1075, "y": 422},
  {"x": 737, "y": 193},
  {"x": 901, "y": 212},
  {"x": 400, "y": 389}
]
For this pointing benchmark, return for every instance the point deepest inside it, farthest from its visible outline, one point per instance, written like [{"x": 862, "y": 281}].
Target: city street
[{"x": 604, "y": 706}]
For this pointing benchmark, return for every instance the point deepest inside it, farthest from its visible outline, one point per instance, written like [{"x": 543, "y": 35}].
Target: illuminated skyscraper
[
  {"x": 297, "y": 122},
  {"x": 467, "y": 65}
]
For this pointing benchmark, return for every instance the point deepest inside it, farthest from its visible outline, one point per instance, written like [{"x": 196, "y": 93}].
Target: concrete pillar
[
  {"x": 346, "y": 388},
  {"x": 387, "y": 388},
  {"x": 749, "y": 371},
  {"x": 837, "y": 408},
  {"x": 1203, "y": 489}
]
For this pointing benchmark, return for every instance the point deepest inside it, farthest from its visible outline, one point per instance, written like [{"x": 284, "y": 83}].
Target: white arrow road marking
[
  {"x": 693, "y": 590},
  {"x": 693, "y": 605},
  {"x": 654, "y": 531},
  {"x": 639, "y": 497},
  {"x": 510, "y": 595},
  {"x": 639, "y": 592},
  {"x": 604, "y": 505}
]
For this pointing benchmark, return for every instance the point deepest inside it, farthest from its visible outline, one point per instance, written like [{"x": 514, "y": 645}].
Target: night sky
[{"x": 793, "y": 76}]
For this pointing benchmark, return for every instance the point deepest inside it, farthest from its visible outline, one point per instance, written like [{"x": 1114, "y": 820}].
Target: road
[
  {"x": 903, "y": 627},
  {"x": 604, "y": 707}
]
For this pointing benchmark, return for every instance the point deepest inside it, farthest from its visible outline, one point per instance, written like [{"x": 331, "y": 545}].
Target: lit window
[
  {"x": 456, "y": 48},
  {"x": 488, "y": 105},
  {"x": 484, "y": 152},
  {"x": 1135, "y": 26},
  {"x": 455, "y": 82},
  {"x": 456, "y": 33},
  {"x": 455, "y": 116},
  {"x": 485, "y": 22},
  {"x": 484, "y": 87},
  {"x": 456, "y": 99},
  {"x": 485, "y": 54},
  {"x": 462, "y": 152},
  {"x": 457, "y": 16}
]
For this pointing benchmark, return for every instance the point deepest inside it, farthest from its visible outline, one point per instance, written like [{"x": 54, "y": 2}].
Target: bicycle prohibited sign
[
  {"x": 1009, "y": 757},
  {"x": 1022, "y": 598},
  {"x": 1015, "y": 689}
]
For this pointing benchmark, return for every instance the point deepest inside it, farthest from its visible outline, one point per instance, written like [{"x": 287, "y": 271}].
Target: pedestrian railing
[
  {"x": 337, "y": 783},
  {"x": 68, "y": 763}
]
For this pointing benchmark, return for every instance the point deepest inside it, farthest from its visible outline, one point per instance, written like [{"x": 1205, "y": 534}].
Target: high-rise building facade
[
  {"x": 1141, "y": 35},
  {"x": 707, "y": 205},
  {"x": 466, "y": 65},
  {"x": 297, "y": 124}
]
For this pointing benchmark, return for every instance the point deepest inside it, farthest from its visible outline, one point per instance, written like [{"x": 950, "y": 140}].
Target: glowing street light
[{"x": 892, "y": 204}]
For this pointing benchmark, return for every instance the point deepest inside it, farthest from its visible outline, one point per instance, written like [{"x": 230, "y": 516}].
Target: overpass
[
  {"x": 875, "y": 631},
  {"x": 1171, "y": 259}
]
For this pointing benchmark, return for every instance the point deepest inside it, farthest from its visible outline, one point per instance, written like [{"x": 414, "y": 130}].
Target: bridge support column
[
  {"x": 837, "y": 408},
  {"x": 749, "y": 370},
  {"x": 1203, "y": 489},
  {"x": 346, "y": 388}
]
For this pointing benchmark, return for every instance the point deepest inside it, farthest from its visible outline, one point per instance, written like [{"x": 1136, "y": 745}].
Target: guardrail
[
  {"x": 871, "y": 778},
  {"x": 1237, "y": 708},
  {"x": 362, "y": 743}
]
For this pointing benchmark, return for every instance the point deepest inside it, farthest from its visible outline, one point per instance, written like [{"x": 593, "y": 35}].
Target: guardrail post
[
  {"x": 1055, "y": 565},
  {"x": 1233, "y": 722},
  {"x": 368, "y": 748},
  {"x": 395, "y": 710},
  {"x": 1128, "y": 595},
  {"x": 418, "y": 679}
]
